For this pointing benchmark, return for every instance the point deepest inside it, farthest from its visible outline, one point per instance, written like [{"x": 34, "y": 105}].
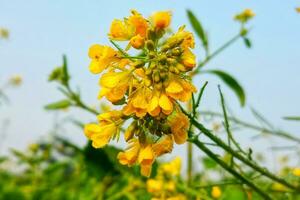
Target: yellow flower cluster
[
  {"x": 163, "y": 186},
  {"x": 148, "y": 86},
  {"x": 244, "y": 16}
]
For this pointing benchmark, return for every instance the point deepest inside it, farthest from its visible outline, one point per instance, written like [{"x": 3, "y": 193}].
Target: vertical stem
[{"x": 189, "y": 163}]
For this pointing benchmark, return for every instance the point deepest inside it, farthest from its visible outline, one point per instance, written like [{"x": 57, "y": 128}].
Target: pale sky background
[{"x": 41, "y": 31}]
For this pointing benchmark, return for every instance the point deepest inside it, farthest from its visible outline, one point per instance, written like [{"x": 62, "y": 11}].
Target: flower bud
[
  {"x": 138, "y": 64},
  {"x": 161, "y": 19},
  {"x": 130, "y": 131},
  {"x": 137, "y": 42},
  {"x": 150, "y": 45}
]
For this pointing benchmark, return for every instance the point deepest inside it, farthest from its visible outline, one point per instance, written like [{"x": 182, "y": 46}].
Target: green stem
[
  {"x": 233, "y": 152},
  {"x": 229, "y": 169},
  {"x": 254, "y": 127},
  {"x": 189, "y": 163},
  {"x": 215, "y": 53}
]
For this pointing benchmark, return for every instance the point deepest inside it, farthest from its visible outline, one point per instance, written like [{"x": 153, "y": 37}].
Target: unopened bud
[
  {"x": 138, "y": 64},
  {"x": 150, "y": 45}
]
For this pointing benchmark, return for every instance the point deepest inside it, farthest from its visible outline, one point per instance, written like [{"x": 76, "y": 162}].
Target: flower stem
[{"x": 229, "y": 169}]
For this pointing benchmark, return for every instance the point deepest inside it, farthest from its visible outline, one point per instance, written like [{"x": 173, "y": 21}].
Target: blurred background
[{"x": 42, "y": 31}]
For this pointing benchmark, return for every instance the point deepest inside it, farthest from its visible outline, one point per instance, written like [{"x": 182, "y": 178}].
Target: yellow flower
[
  {"x": 154, "y": 186},
  {"x": 298, "y": 9},
  {"x": 184, "y": 37},
  {"x": 138, "y": 153},
  {"x": 102, "y": 57},
  {"x": 179, "y": 124},
  {"x": 245, "y": 16},
  {"x": 163, "y": 145},
  {"x": 160, "y": 103},
  {"x": 121, "y": 30},
  {"x": 15, "y": 80},
  {"x": 216, "y": 192},
  {"x": 177, "y": 197},
  {"x": 138, "y": 102},
  {"x": 139, "y": 22},
  {"x": 101, "y": 133},
  {"x": 180, "y": 89},
  {"x": 145, "y": 159},
  {"x": 161, "y": 19},
  {"x": 296, "y": 172},
  {"x": 129, "y": 157},
  {"x": 188, "y": 59},
  {"x": 114, "y": 85},
  {"x": 137, "y": 41},
  {"x": 172, "y": 168}
]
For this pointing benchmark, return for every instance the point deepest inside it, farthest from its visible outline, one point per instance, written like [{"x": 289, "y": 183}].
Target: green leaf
[
  {"x": 198, "y": 28},
  {"x": 209, "y": 163},
  {"x": 292, "y": 118},
  {"x": 66, "y": 76},
  {"x": 231, "y": 82},
  {"x": 58, "y": 105},
  {"x": 247, "y": 42}
]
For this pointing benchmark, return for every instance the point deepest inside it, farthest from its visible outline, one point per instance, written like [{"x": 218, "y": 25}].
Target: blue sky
[{"x": 41, "y": 31}]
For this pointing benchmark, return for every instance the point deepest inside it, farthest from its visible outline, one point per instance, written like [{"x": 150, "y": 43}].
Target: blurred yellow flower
[
  {"x": 216, "y": 192},
  {"x": 15, "y": 80},
  {"x": 244, "y": 16},
  {"x": 161, "y": 19},
  {"x": 298, "y": 9},
  {"x": 296, "y": 172},
  {"x": 172, "y": 168}
]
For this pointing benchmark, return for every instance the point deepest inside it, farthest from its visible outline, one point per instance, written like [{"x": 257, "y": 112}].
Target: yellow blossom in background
[
  {"x": 16, "y": 80},
  {"x": 296, "y": 172},
  {"x": 4, "y": 33},
  {"x": 163, "y": 185},
  {"x": 147, "y": 88},
  {"x": 216, "y": 192},
  {"x": 298, "y": 9},
  {"x": 244, "y": 16}
]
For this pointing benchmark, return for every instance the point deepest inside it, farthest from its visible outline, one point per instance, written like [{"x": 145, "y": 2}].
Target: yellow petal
[
  {"x": 146, "y": 170},
  {"x": 146, "y": 155},
  {"x": 96, "y": 67},
  {"x": 165, "y": 103},
  {"x": 91, "y": 129},
  {"x": 174, "y": 87}
]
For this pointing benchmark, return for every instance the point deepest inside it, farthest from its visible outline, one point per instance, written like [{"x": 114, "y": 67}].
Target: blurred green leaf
[
  {"x": 292, "y": 118},
  {"x": 247, "y": 42},
  {"x": 66, "y": 76},
  {"x": 198, "y": 28},
  {"x": 58, "y": 105},
  {"x": 209, "y": 163},
  {"x": 231, "y": 82}
]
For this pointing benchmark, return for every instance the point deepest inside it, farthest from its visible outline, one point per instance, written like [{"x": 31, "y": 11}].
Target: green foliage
[
  {"x": 197, "y": 26},
  {"x": 231, "y": 82}
]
